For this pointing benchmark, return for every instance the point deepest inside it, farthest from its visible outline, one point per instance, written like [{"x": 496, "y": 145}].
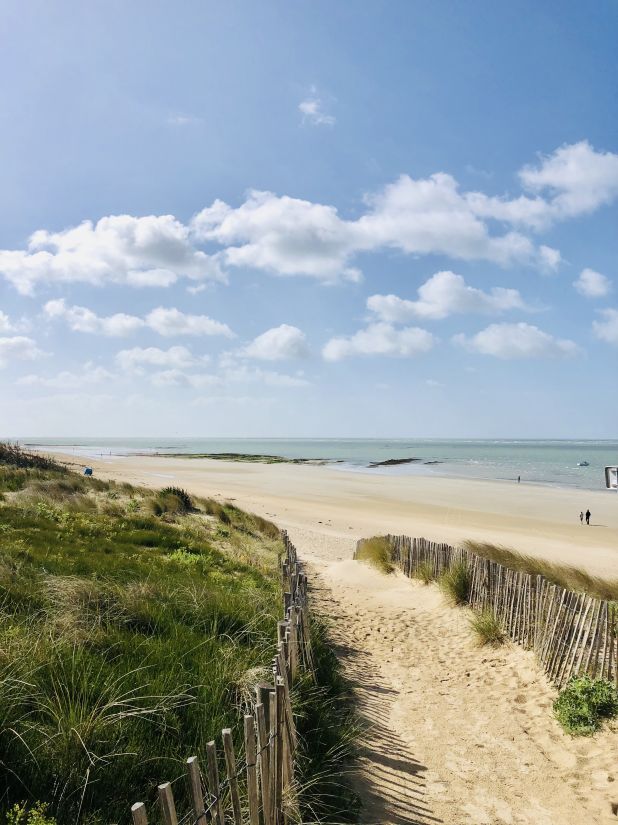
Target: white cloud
[
  {"x": 277, "y": 344},
  {"x": 138, "y": 357},
  {"x": 549, "y": 259},
  {"x": 178, "y": 378},
  {"x": 180, "y": 119},
  {"x": 281, "y": 235},
  {"x": 254, "y": 375},
  {"x": 380, "y": 339},
  {"x": 290, "y": 236},
  {"x": 431, "y": 382},
  {"x": 164, "y": 321},
  {"x": 431, "y": 216},
  {"x": 579, "y": 179},
  {"x": 89, "y": 374},
  {"x": 149, "y": 251},
  {"x": 573, "y": 180},
  {"x": 521, "y": 340},
  {"x": 81, "y": 319},
  {"x": 169, "y": 322},
  {"x": 444, "y": 294},
  {"x": 231, "y": 374},
  {"x": 5, "y": 322},
  {"x": 312, "y": 110},
  {"x": 18, "y": 348},
  {"x": 7, "y": 325},
  {"x": 607, "y": 330},
  {"x": 592, "y": 284}
]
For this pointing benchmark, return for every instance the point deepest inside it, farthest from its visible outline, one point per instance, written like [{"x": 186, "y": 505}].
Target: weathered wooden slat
[
  {"x": 195, "y": 788},
  {"x": 252, "y": 784},
  {"x": 168, "y": 809},
  {"x": 138, "y": 814},
  {"x": 230, "y": 767}
]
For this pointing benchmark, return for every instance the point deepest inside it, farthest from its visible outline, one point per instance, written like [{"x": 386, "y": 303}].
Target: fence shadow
[{"x": 388, "y": 778}]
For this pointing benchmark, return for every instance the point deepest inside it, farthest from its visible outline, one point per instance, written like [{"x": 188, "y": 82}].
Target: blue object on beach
[{"x": 88, "y": 471}]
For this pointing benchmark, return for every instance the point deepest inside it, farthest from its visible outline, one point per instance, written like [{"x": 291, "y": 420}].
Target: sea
[{"x": 562, "y": 463}]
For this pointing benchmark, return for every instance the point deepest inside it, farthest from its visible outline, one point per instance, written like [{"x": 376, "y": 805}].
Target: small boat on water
[{"x": 583, "y": 464}]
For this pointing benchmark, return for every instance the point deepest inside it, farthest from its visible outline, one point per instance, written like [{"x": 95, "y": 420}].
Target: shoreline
[
  {"x": 393, "y": 467},
  {"x": 538, "y": 520}
]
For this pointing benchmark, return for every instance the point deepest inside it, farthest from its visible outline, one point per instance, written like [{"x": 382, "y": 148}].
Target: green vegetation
[
  {"x": 377, "y": 552},
  {"x": 29, "y": 815},
  {"x": 584, "y": 704},
  {"x": 424, "y": 572},
  {"x": 488, "y": 628},
  {"x": 571, "y": 578},
  {"x": 126, "y": 639},
  {"x": 12, "y": 455},
  {"x": 249, "y": 457},
  {"x": 455, "y": 582},
  {"x": 327, "y": 729}
]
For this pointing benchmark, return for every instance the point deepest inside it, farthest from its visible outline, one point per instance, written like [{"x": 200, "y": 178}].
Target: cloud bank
[{"x": 289, "y": 236}]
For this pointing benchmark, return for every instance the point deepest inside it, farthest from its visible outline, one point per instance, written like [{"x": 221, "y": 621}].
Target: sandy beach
[
  {"x": 541, "y": 521},
  {"x": 455, "y": 734}
]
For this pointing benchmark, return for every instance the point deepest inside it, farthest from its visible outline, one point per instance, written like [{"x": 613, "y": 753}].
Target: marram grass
[
  {"x": 377, "y": 552},
  {"x": 488, "y": 628},
  {"x": 125, "y": 639},
  {"x": 455, "y": 583}
]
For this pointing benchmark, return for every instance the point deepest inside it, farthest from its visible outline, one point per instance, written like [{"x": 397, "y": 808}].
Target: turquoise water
[{"x": 539, "y": 462}]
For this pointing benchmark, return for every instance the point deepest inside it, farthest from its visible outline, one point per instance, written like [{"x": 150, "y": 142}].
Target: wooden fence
[
  {"x": 258, "y": 787},
  {"x": 571, "y": 633}
]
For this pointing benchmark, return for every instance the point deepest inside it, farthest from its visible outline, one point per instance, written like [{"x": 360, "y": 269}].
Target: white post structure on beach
[{"x": 611, "y": 478}]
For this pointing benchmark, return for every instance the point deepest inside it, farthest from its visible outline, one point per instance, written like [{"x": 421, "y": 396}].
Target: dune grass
[
  {"x": 125, "y": 639},
  {"x": 377, "y": 552},
  {"x": 455, "y": 583},
  {"x": 424, "y": 572},
  {"x": 488, "y": 628},
  {"x": 569, "y": 577}
]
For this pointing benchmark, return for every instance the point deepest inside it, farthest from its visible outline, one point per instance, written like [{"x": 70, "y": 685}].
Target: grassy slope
[
  {"x": 571, "y": 578},
  {"x": 127, "y": 640}
]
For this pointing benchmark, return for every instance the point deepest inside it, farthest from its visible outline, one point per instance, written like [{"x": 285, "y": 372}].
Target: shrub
[
  {"x": 488, "y": 628},
  {"x": 35, "y": 815},
  {"x": 424, "y": 572},
  {"x": 455, "y": 582},
  {"x": 377, "y": 552},
  {"x": 584, "y": 704}
]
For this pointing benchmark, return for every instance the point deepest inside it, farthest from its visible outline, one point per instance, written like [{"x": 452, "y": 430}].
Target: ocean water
[{"x": 539, "y": 462}]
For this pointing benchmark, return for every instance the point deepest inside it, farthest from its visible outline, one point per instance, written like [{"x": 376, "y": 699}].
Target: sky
[{"x": 309, "y": 219}]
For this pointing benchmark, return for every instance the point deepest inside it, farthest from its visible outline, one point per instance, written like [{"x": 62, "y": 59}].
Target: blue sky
[{"x": 309, "y": 219}]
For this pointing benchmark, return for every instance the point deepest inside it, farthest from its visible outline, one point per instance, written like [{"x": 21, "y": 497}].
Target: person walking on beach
[
  {"x": 588, "y": 514},
  {"x": 581, "y": 517},
  {"x": 518, "y": 479}
]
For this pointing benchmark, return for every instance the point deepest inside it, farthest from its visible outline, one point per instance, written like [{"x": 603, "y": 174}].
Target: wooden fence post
[
  {"x": 168, "y": 809},
  {"x": 230, "y": 765},
  {"x": 195, "y": 786},
  {"x": 252, "y": 786},
  {"x": 262, "y": 730},
  {"x": 138, "y": 812},
  {"x": 213, "y": 783}
]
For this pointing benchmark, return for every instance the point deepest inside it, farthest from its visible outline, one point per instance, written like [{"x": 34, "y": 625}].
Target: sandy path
[{"x": 458, "y": 735}]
